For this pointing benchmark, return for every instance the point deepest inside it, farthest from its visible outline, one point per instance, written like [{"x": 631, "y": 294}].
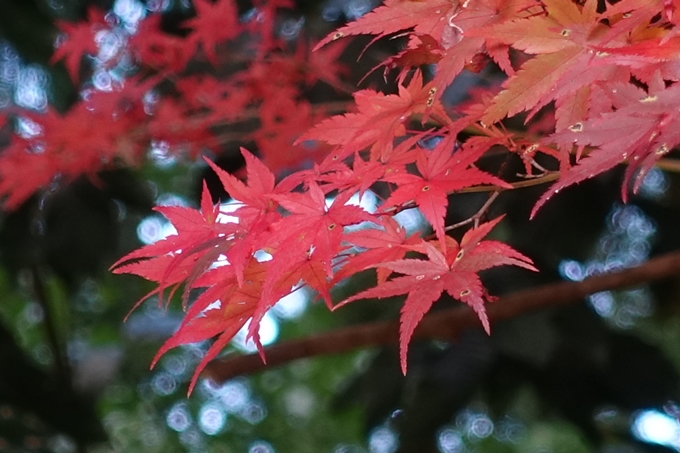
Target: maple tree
[{"x": 595, "y": 84}]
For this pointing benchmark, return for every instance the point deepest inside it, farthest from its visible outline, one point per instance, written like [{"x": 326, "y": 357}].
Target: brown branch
[{"x": 446, "y": 324}]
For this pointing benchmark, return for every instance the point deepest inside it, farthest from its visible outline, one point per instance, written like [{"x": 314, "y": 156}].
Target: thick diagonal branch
[{"x": 445, "y": 324}]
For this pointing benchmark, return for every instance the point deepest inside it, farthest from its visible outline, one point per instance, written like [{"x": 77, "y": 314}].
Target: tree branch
[{"x": 446, "y": 324}]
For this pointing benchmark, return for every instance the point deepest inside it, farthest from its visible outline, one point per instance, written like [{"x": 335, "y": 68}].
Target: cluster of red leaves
[
  {"x": 160, "y": 104},
  {"x": 308, "y": 244},
  {"x": 606, "y": 79}
]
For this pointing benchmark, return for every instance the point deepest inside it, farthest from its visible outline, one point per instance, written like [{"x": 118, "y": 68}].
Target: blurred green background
[{"x": 601, "y": 375}]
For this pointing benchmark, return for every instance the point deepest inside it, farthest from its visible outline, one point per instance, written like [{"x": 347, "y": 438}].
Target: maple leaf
[
  {"x": 380, "y": 118},
  {"x": 79, "y": 41},
  {"x": 199, "y": 240},
  {"x": 461, "y": 43},
  {"x": 257, "y": 211},
  {"x": 324, "y": 65},
  {"x": 221, "y": 310},
  {"x": 644, "y": 128},
  {"x": 312, "y": 231},
  {"x": 169, "y": 125},
  {"x": 448, "y": 23},
  {"x": 442, "y": 171},
  {"x": 564, "y": 39},
  {"x": 63, "y": 145},
  {"x": 359, "y": 179},
  {"x": 215, "y": 22},
  {"x": 262, "y": 24},
  {"x": 282, "y": 122},
  {"x": 396, "y": 15},
  {"x": 158, "y": 50},
  {"x": 420, "y": 51},
  {"x": 389, "y": 243},
  {"x": 454, "y": 271}
]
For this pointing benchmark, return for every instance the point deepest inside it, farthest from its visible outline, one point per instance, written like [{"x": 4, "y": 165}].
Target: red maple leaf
[
  {"x": 397, "y": 15},
  {"x": 454, "y": 271},
  {"x": 442, "y": 171},
  {"x": 380, "y": 118},
  {"x": 159, "y": 50},
  {"x": 215, "y": 23},
  {"x": 377, "y": 245},
  {"x": 312, "y": 232},
  {"x": 257, "y": 211},
  {"x": 358, "y": 179},
  {"x": 450, "y": 23},
  {"x": 79, "y": 41},
  {"x": 221, "y": 310},
  {"x": 283, "y": 121},
  {"x": 324, "y": 65},
  {"x": 565, "y": 39},
  {"x": 644, "y": 128},
  {"x": 199, "y": 240}
]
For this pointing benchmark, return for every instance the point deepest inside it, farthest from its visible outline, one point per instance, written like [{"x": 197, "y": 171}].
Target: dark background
[{"x": 593, "y": 376}]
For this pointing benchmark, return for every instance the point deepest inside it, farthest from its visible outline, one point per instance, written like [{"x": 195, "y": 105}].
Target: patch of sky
[
  {"x": 30, "y": 90},
  {"x": 655, "y": 185},
  {"x": 656, "y": 427},
  {"x": 430, "y": 142},
  {"x": 130, "y": 12},
  {"x": 179, "y": 417},
  {"x": 212, "y": 418},
  {"x": 348, "y": 448},
  {"x": 171, "y": 199},
  {"x": 23, "y": 85},
  {"x": 299, "y": 402},
  {"x": 192, "y": 438},
  {"x": 27, "y": 128},
  {"x": 382, "y": 440},
  {"x": 293, "y": 305},
  {"x": 163, "y": 5},
  {"x": 354, "y": 9},
  {"x": 164, "y": 383},
  {"x": 254, "y": 412},
  {"x": 225, "y": 209},
  {"x": 412, "y": 220},
  {"x": 450, "y": 440},
  {"x": 475, "y": 422},
  {"x": 151, "y": 323},
  {"x": 175, "y": 365},
  {"x": 154, "y": 228},
  {"x": 261, "y": 446},
  {"x": 269, "y": 331},
  {"x": 110, "y": 43},
  {"x": 233, "y": 395},
  {"x": 335, "y": 10},
  {"x": 290, "y": 28},
  {"x": 5, "y": 96},
  {"x": 160, "y": 153}
]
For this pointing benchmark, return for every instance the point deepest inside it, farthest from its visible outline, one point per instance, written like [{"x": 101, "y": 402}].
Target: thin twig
[
  {"x": 446, "y": 324},
  {"x": 477, "y": 216}
]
